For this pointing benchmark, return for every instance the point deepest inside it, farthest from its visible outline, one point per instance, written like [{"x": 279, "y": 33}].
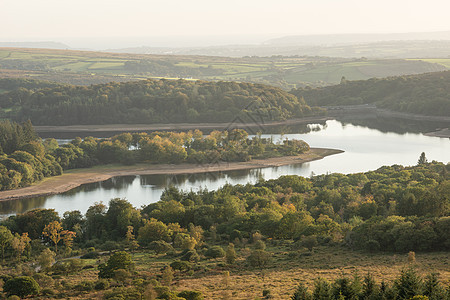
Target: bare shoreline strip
[
  {"x": 72, "y": 179},
  {"x": 174, "y": 126}
]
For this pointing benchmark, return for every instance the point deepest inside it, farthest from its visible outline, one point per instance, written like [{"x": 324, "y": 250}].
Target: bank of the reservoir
[{"x": 74, "y": 178}]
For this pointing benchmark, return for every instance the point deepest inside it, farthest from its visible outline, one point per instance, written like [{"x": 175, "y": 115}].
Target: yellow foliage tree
[{"x": 54, "y": 232}]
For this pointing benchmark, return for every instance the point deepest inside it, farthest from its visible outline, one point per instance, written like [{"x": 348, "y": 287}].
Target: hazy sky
[{"x": 28, "y": 19}]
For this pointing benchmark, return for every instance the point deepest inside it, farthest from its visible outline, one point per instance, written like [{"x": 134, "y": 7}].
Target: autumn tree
[
  {"x": 131, "y": 241},
  {"x": 19, "y": 243},
  {"x": 54, "y": 232}
]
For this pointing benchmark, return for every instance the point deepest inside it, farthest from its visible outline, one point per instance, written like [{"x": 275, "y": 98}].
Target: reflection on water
[
  {"x": 386, "y": 124},
  {"x": 66, "y": 137},
  {"x": 365, "y": 149}
]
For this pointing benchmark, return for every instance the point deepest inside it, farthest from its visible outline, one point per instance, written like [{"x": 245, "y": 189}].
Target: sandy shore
[{"x": 74, "y": 178}]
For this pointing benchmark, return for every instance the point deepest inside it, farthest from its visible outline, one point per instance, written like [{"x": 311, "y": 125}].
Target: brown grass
[{"x": 285, "y": 273}]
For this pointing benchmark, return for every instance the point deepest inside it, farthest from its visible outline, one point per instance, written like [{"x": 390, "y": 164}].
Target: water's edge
[{"x": 68, "y": 181}]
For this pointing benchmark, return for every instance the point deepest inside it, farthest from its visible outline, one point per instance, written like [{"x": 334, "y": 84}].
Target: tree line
[
  {"x": 425, "y": 94},
  {"x": 152, "y": 101}
]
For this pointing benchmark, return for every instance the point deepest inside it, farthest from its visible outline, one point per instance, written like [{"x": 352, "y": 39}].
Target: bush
[
  {"x": 123, "y": 293},
  {"x": 191, "y": 295},
  {"x": 160, "y": 247},
  {"x": 85, "y": 286},
  {"x": 119, "y": 260},
  {"x": 190, "y": 255},
  {"x": 101, "y": 284},
  {"x": 47, "y": 292},
  {"x": 74, "y": 265},
  {"x": 260, "y": 245},
  {"x": 180, "y": 265},
  {"x": 110, "y": 245},
  {"x": 91, "y": 255},
  {"x": 43, "y": 280},
  {"x": 21, "y": 286},
  {"x": 372, "y": 246},
  {"x": 259, "y": 258},
  {"x": 215, "y": 252}
]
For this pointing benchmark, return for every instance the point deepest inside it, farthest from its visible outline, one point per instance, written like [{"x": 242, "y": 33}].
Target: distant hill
[
  {"x": 151, "y": 101},
  {"x": 44, "y": 45},
  {"x": 334, "y": 39},
  {"x": 427, "y": 94}
]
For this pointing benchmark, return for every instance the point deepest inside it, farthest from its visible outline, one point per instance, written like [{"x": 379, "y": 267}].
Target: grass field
[
  {"x": 285, "y": 271},
  {"x": 285, "y": 72},
  {"x": 441, "y": 61}
]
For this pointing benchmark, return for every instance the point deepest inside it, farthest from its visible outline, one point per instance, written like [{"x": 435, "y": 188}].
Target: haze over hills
[
  {"x": 336, "y": 39},
  {"x": 393, "y": 45},
  {"x": 43, "y": 45},
  {"x": 386, "y": 49}
]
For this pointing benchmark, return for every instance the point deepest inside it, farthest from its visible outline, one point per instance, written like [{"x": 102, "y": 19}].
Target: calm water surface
[{"x": 365, "y": 149}]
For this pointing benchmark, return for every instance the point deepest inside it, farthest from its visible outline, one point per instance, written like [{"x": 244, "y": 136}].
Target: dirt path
[{"x": 77, "y": 177}]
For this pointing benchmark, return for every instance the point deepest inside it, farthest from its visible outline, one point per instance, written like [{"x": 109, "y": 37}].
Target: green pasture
[
  {"x": 106, "y": 65},
  {"x": 441, "y": 61}
]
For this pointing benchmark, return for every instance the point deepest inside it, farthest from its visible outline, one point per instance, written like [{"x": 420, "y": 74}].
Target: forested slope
[
  {"x": 427, "y": 94},
  {"x": 150, "y": 101}
]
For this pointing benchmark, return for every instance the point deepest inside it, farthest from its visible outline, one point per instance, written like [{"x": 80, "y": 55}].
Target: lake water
[{"x": 365, "y": 149}]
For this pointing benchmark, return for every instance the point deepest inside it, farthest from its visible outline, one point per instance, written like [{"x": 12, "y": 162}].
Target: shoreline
[
  {"x": 174, "y": 126},
  {"x": 74, "y": 178}
]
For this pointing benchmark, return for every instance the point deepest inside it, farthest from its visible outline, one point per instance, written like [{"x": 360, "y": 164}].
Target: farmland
[{"x": 85, "y": 67}]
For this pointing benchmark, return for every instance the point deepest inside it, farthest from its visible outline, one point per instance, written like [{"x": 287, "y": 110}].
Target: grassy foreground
[{"x": 281, "y": 276}]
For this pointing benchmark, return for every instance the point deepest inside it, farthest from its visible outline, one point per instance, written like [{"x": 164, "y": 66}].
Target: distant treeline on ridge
[
  {"x": 148, "y": 101},
  {"x": 427, "y": 94}
]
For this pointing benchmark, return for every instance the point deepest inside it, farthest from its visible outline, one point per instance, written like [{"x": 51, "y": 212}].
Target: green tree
[
  {"x": 154, "y": 230},
  {"x": 322, "y": 290},
  {"x": 21, "y": 286},
  {"x": 46, "y": 259},
  {"x": 301, "y": 293},
  {"x": 408, "y": 285},
  {"x": 259, "y": 258},
  {"x": 309, "y": 242},
  {"x": 422, "y": 159},
  {"x": 230, "y": 255},
  {"x": 6, "y": 238}
]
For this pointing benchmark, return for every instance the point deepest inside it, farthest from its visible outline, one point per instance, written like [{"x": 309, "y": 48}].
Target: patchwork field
[{"x": 283, "y": 71}]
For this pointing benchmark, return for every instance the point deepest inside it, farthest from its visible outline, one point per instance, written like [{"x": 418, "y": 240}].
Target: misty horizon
[{"x": 198, "y": 41}]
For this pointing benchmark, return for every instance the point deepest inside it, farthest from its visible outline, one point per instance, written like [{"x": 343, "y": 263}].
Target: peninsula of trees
[
  {"x": 426, "y": 94},
  {"x": 25, "y": 159}
]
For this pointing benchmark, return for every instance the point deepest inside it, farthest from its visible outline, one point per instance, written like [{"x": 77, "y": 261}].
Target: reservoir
[{"x": 366, "y": 148}]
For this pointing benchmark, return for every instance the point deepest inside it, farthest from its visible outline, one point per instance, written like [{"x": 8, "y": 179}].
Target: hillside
[
  {"x": 427, "y": 94},
  {"x": 293, "y": 71},
  {"x": 148, "y": 101}
]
